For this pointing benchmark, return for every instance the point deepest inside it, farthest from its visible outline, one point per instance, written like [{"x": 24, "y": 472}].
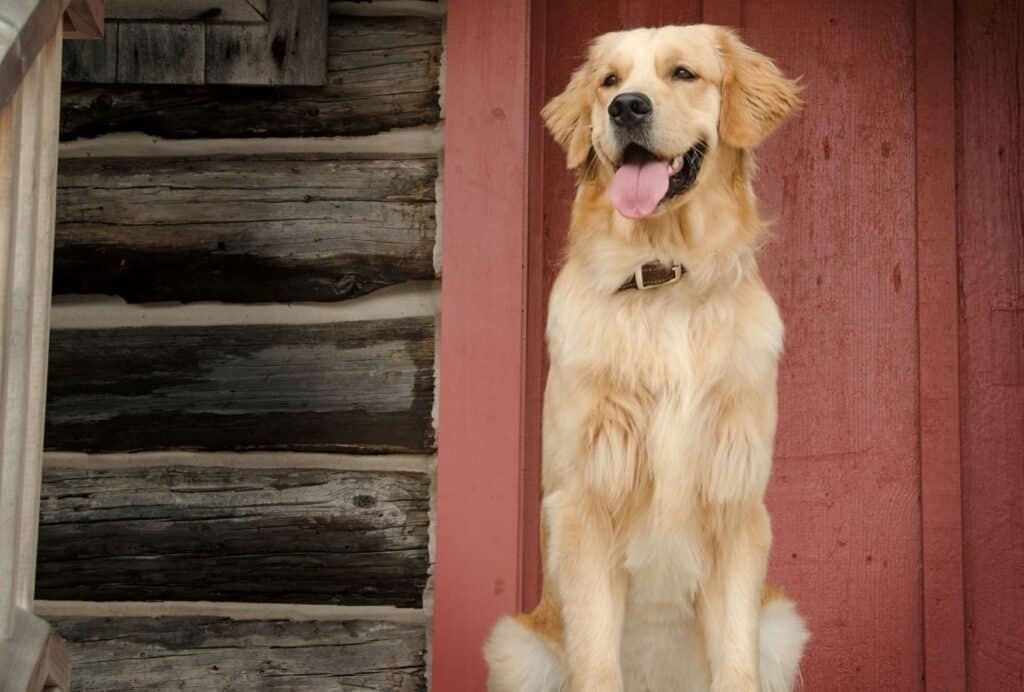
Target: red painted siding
[
  {"x": 479, "y": 475},
  {"x": 990, "y": 75},
  {"x": 846, "y": 490},
  {"x": 898, "y": 261}
]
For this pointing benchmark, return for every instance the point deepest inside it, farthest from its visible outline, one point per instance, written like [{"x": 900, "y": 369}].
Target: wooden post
[
  {"x": 483, "y": 354},
  {"x": 31, "y": 656}
]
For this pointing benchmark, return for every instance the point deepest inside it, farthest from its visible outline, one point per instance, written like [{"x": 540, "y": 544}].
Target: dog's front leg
[
  {"x": 592, "y": 588},
  {"x": 730, "y": 602}
]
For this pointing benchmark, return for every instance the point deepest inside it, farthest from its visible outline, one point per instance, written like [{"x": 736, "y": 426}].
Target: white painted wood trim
[{"x": 28, "y": 162}]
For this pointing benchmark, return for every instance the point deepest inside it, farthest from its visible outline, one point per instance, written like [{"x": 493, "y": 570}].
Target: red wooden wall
[
  {"x": 990, "y": 163},
  {"x": 897, "y": 261}
]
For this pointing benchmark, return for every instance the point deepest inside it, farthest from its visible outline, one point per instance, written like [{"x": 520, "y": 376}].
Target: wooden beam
[
  {"x": 479, "y": 559},
  {"x": 938, "y": 347},
  {"x": 211, "y": 653},
  {"x": 28, "y": 172},
  {"x": 243, "y": 229},
  {"x": 234, "y": 11},
  {"x": 202, "y": 533},
  {"x": 83, "y": 19},
  {"x": 25, "y": 26},
  {"x": 365, "y": 386}
]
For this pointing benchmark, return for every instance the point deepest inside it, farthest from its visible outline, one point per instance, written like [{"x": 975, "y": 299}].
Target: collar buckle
[{"x": 638, "y": 275}]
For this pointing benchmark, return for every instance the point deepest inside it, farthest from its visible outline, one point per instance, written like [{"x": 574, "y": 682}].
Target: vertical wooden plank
[
  {"x": 535, "y": 366},
  {"x": 938, "y": 357},
  {"x": 990, "y": 200},
  {"x": 158, "y": 53},
  {"x": 92, "y": 61},
  {"x": 28, "y": 157},
  {"x": 839, "y": 183},
  {"x": 482, "y": 346},
  {"x": 290, "y": 49},
  {"x": 19, "y": 232},
  {"x": 47, "y": 117}
]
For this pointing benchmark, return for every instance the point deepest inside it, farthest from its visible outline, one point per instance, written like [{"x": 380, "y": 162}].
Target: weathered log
[
  {"x": 235, "y": 11},
  {"x": 161, "y": 53},
  {"x": 291, "y": 48},
  {"x": 243, "y": 229},
  {"x": 219, "y": 655},
  {"x": 351, "y": 387},
  {"x": 91, "y": 61},
  {"x": 382, "y": 73},
  {"x": 226, "y": 534}
]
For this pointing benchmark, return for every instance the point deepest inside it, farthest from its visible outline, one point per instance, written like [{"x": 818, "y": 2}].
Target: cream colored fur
[{"x": 660, "y": 406}]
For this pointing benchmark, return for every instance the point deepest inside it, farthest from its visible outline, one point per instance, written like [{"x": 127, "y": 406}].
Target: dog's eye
[
  {"x": 684, "y": 74},
  {"x": 611, "y": 80}
]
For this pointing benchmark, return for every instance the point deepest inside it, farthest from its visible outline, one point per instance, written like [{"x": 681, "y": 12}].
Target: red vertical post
[
  {"x": 938, "y": 347},
  {"x": 483, "y": 296}
]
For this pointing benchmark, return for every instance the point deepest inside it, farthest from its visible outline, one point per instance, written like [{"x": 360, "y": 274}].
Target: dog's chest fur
[
  {"x": 684, "y": 387},
  {"x": 677, "y": 380}
]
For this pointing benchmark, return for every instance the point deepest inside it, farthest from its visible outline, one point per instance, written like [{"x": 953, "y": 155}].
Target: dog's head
[{"x": 650, "y": 105}]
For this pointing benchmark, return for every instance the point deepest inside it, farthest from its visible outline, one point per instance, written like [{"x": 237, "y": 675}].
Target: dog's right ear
[
  {"x": 756, "y": 96},
  {"x": 567, "y": 117}
]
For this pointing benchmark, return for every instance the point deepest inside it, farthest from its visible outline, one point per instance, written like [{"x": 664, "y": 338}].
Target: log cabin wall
[{"x": 240, "y": 431}]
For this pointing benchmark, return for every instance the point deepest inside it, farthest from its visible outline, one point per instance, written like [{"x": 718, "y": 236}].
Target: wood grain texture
[
  {"x": 161, "y": 53},
  {"x": 220, "y": 655},
  {"x": 382, "y": 73},
  {"x": 243, "y": 229},
  {"x": 290, "y": 48},
  {"x": 845, "y": 494},
  {"x": 351, "y": 387},
  {"x": 990, "y": 77},
  {"x": 479, "y": 499},
  {"x": 239, "y": 11},
  {"x": 938, "y": 306},
  {"x": 191, "y": 533},
  {"x": 92, "y": 61}
]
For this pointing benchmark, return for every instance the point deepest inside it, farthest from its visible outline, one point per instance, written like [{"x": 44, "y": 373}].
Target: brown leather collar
[{"x": 652, "y": 275}]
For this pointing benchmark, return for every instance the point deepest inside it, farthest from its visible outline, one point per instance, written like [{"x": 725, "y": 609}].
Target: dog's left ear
[
  {"x": 567, "y": 117},
  {"x": 756, "y": 96}
]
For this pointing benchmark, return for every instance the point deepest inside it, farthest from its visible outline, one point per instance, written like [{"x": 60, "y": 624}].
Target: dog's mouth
[{"x": 643, "y": 180}]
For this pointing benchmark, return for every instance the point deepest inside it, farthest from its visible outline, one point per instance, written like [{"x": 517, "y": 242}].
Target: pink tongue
[{"x": 636, "y": 190}]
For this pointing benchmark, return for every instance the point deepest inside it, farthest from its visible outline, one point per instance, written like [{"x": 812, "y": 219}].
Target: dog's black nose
[{"x": 630, "y": 110}]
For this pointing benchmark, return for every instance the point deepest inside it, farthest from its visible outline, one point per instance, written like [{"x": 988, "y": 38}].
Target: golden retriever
[{"x": 660, "y": 405}]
